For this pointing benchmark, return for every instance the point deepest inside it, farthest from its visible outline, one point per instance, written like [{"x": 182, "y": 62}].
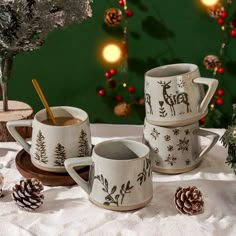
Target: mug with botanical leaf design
[
  {"x": 120, "y": 174},
  {"x": 175, "y": 96},
  {"x": 53, "y": 144},
  {"x": 176, "y": 149}
]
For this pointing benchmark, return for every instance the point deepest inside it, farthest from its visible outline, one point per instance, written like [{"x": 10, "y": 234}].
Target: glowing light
[
  {"x": 209, "y": 2},
  {"x": 111, "y": 53},
  {"x": 212, "y": 106},
  {"x": 124, "y": 85},
  {"x": 222, "y": 28}
]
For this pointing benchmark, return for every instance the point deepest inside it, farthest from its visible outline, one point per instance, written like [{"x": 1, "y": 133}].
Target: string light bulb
[
  {"x": 111, "y": 53},
  {"x": 209, "y": 2}
]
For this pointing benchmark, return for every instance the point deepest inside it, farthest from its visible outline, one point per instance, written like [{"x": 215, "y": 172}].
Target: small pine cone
[
  {"x": 211, "y": 62},
  {"x": 215, "y": 10},
  {"x": 189, "y": 200},
  {"x": 122, "y": 109},
  {"x": 113, "y": 17},
  {"x": 27, "y": 194}
]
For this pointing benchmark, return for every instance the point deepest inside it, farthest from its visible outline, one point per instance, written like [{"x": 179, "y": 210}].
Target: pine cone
[
  {"x": 189, "y": 200},
  {"x": 113, "y": 17},
  {"x": 215, "y": 10},
  {"x": 27, "y": 194},
  {"x": 122, "y": 109},
  {"x": 211, "y": 62}
]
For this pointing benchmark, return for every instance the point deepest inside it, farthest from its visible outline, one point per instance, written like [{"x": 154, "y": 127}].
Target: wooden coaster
[{"x": 28, "y": 170}]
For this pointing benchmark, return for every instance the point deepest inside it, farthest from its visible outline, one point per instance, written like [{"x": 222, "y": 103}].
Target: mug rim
[
  {"x": 193, "y": 68},
  {"x": 63, "y": 107},
  {"x": 147, "y": 151}
]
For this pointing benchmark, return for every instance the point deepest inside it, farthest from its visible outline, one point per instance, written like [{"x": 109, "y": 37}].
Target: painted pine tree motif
[
  {"x": 40, "y": 153},
  {"x": 83, "y": 144},
  {"x": 60, "y": 155}
]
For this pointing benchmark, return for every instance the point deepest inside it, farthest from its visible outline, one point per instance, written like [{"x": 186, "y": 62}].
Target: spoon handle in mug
[
  {"x": 11, "y": 126},
  {"x": 212, "y": 85},
  {"x": 71, "y": 163}
]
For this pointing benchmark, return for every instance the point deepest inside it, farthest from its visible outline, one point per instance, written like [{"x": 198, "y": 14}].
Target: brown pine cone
[
  {"x": 27, "y": 194},
  {"x": 113, "y": 17},
  {"x": 189, "y": 200},
  {"x": 122, "y": 109},
  {"x": 211, "y": 62}
]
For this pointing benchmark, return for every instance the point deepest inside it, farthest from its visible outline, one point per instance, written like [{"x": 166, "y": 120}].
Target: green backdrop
[{"x": 69, "y": 69}]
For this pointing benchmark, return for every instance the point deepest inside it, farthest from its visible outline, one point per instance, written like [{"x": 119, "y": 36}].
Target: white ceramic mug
[
  {"x": 120, "y": 175},
  {"x": 174, "y": 94},
  {"x": 51, "y": 145},
  {"x": 176, "y": 149}
]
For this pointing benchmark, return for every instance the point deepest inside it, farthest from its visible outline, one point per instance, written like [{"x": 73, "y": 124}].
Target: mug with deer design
[
  {"x": 174, "y": 94},
  {"x": 176, "y": 149},
  {"x": 52, "y": 144}
]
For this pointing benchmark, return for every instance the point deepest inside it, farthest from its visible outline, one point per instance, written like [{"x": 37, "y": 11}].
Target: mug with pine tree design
[{"x": 53, "y": 144}]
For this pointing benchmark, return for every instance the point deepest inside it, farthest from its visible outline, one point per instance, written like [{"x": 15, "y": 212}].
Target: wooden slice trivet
[
  {"x": 28, "y": 170},
  {"x": 17, "y": 111}
]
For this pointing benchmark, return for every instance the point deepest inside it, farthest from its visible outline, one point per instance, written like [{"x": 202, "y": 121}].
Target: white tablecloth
[{"x": 67, "y": 210}]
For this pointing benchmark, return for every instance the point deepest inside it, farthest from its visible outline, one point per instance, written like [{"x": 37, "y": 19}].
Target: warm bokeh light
[
  {"x": 124, "y": 85},
  {"x": 209, "y": 2},
  {"x": 112, "y": 53}
]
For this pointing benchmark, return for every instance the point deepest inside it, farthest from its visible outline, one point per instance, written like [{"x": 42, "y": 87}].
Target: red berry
[
  {"x": 221, "y": 21},
  {"x": 129, "y": 13},
  {"x": 224, "y": 14},
  {"x": 131, "y": 89},
  {"x": 107, "y": 75},
  {"x": 220, "y": 101},
  {"x": 221, "y": 70},
  {"x": 233, "y": 33},
  {"x": 202, "y": 120},
  {"x": 121, "y": 2},
  {"x": 220, "y": 92},
  {"x": 112, "y": 71},
  {"x": 119, "y": 98},
  {"x": 102, "y": 92}
]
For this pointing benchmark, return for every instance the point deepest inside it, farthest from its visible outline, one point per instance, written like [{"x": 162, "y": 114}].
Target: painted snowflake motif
[
  {"x": 187, "y": 131},
  {"x": 183, "y": 144},
  {"x": 170, "y": 160},
  {"x": 175, "y": 131},
  {"x": 170, "y": 148},
  {"x": 187, "y": 162},
  {"x": 156, "y": 150},
  {"x": 155, "y": 134},
  {"x": 158, "y": 163},
  {"x": 167, "y": 138}
]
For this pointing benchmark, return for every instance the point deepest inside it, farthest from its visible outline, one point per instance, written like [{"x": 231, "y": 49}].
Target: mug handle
[
  {"x": 11, "y": 126},
  {"x": 213, "y": 137},
  {"x": 75, "y": 162},
  {"x": 212, "y": 85}
]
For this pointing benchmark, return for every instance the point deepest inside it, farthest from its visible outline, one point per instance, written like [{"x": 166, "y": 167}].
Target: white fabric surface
[{"x": 67, "y": 210}]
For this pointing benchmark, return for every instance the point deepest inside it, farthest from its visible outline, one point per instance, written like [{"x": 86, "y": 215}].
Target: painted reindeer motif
[{"x": 174, "y": 99}]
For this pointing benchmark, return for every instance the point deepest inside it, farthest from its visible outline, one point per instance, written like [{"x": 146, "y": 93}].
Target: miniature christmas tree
[
  {"x": 229, "y": 140},
  {"x": 83, "y": 144},
  {"x": 40, "y": 153},
  {"x": 25, "y": 24},
  {"x": 60, "y": 153}
]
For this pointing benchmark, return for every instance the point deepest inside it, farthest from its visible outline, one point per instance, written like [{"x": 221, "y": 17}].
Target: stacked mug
[{"x": 175, "y": 101}]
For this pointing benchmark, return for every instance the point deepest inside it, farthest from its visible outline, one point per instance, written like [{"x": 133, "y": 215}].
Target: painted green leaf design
[{"x": 113, "y": 189}]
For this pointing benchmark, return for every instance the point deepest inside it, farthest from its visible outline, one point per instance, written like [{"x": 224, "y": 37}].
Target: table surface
[{"x": 67, "y": 210}]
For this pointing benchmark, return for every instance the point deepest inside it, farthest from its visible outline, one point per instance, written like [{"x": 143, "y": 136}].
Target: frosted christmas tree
[{"x": 24, "y": 25}]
